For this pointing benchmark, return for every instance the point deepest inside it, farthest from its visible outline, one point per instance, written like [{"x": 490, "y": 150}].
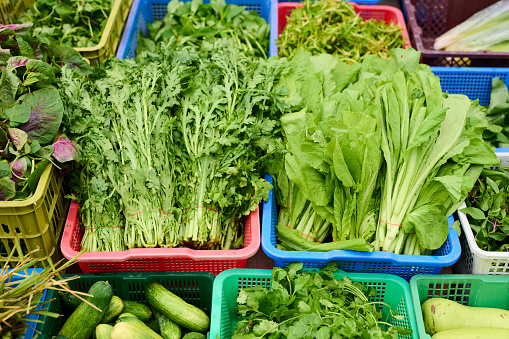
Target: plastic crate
[
  {"x": 386, "y": 13},
  {"x": 360, "y": 2},
  {"x": 159, "y": 259},
  {"x": 392, "y": 290},
  {"x": 148, "y": 11},
  {"x": 469, "y": 290},
  {"x": 37, "y": 221},
  {"x": 428, "y": 19},
  {"x": 405, "y": 266},
  {"x": 31, "y": 325},
  {"x": 12, "y": 10},
  {"x": 193, "y": 287},
  {"x": 474, "y": 260},
  {"x": 474, "y": 82}
]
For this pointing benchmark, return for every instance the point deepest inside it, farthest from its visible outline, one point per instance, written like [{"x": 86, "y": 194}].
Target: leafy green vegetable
[
  {"x": 174, "y": 147},
  {"x": 70, "y": 23},
  {"x": 193, "y": 23},
  {"x": 487, "y": 209},
  {"x": 333, "y": 27},
  {"x": 313, "y": 304},
  {"x": 31, "y": 109},
  {"x": 497, "y": 114}
]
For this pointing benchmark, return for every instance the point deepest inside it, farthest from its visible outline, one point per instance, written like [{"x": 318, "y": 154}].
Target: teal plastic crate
[
  {"x": 392, "y": 290},
  {"x": 193, "y": 287}
]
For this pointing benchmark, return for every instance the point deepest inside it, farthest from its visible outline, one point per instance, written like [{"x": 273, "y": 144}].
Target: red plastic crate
[
  {"x": 159, "y": 259},
  {"x": 386, "y": 13}
]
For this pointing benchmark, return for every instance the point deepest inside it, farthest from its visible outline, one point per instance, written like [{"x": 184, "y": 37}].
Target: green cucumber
[
  {"x": 70, "y": 301},
  {"x": 126, "y": 315},
  {"x": 154, "y": 325},
  {"x": 141, "y": 311},
  {"x": 176, "y": 309},
  {"x": 115, "y": 307},
  {"x": 125, "y": 330},
  {"x": 168, "y": 328},
  {"x": 103, "y": 331},
  {"x": 194, "y": 335},
  {"x": 126, "y": 318},
  {"x": 82, "y": 322}
]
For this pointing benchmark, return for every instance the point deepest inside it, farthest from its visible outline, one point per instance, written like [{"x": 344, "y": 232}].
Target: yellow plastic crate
[
  {"x": 12, "y": 10},
  {"x": 37, "y": 221}
]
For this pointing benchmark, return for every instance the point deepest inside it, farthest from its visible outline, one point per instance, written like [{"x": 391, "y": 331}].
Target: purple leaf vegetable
[
  {"x": 19, "y": 138},
  {"x": 20, "y": 167},
  {"x": 65, "y": 149}
]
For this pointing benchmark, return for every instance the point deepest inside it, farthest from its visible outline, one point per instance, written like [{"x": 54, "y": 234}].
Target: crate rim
[
  {"x": 379, "y": 256},
  {"x": 215, "y": 319},
  {"x": 158, "y": 253},
  {"x": 450, "y": 278}
]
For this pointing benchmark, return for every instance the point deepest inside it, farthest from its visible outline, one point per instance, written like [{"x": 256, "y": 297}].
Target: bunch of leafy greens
[
  {"x": 193, "y": 22},
  {"x": 333, "y": 27},
  {"x": 487, "y": 210},
  {"x": 71, "y": 23},
  {"x": 31, "y": 109},
  {"x": 174, "y": 147},
  {"x": 497, "y": 113},
  {"x": 378, "y": 151},
  {"x": 314, "y": 304}
]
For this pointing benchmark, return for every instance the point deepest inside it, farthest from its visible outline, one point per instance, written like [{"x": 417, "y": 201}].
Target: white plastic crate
[{"x": 474, "y": 260}]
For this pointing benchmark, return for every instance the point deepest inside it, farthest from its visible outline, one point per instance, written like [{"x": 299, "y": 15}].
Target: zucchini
[
  {"x": 70, "y": 300},
  {"x": 125, "y": 330},
  {"x": 194, "y": 335},
  {"x": 103, "y": 331},
  {"x": 154, "y": 325},
  {"x": 115, "y": 307},
  {"x": 176, "y": 309},
  {"x": 168, "y": 328},
  {"x": 82, "y": 322},
  {"x": 126, "y": 318},
  {"x": 141, "y": 311}
]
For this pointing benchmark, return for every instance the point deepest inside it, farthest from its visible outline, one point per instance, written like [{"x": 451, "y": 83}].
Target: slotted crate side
[
  {"x": 193, "y": 287},
  {"x": 391, "y": 290},
  {"x": 37, "y": 222},
  {"x": 428, "y": 19},
  {"x": 159, "y": 259},
  {"x": 468, "y": 290},
  {"x": 474, "y": 82},
  {"x": 148, "y": 11},
  {"x": 386, "y": 13},
  {"x": 474, "y": 260},
  {"x": 404, "y": 266}
]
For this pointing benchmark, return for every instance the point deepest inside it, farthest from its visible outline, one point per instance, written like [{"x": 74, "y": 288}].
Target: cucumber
[
  {"x": 473, "y": 333},
  {"x": 176, "y": 309},
  {"x": 114, "y": 309},
  {"x": 168, "y": 328},
  {"x": 154, "y": 325},
  {"x": 103, "y": 331},
  {"x": 82, "y": 322},
  {"x": 59, "y": 337},
  {"x": 194, "y": 335},
  {"x": 125, "y": 330},
  {"x": 141, "y": 311},
  {"x": 70, "y": 300},
  {"x": 126, "y": 318}
]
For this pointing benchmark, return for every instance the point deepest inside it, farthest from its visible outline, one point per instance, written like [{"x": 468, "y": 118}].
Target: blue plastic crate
[
  {"x": 405, "y": 266},
  {"x": 148, "y": 11},
  {"x": 474, "y": 82},
  {"x": 31, "y": 325}
]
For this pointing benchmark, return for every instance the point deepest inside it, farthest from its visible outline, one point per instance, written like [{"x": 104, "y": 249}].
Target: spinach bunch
[
  {"x": 174, "y": 146},
  {"x": 487, "y": 209},
  {"x": 31, "y": 109},
  {"x": 314, "y": 304},
  {"x": 72, "y": 23},
  {"x": 193, "y": 23},
  {"x": 497, "y": 113},
  {"x": 333, "y": 27}
]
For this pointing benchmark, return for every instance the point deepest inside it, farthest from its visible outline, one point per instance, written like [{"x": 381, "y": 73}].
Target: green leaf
[
  {"x": 18, "y": 114},
  {"x": 9, "y": 83},
  {"x": 5, "y": 169},
  {"x": 474, "y": 212},
  {"x": 7, "y": 189},
  {"x": 33, "y": 178}
]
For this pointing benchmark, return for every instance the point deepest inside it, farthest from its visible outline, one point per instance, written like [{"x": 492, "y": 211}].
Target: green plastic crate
[
  {"x": 466, "y": 289},
  {"x": 392, "y": 290},
  {"x": 193, "y": 287}
]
